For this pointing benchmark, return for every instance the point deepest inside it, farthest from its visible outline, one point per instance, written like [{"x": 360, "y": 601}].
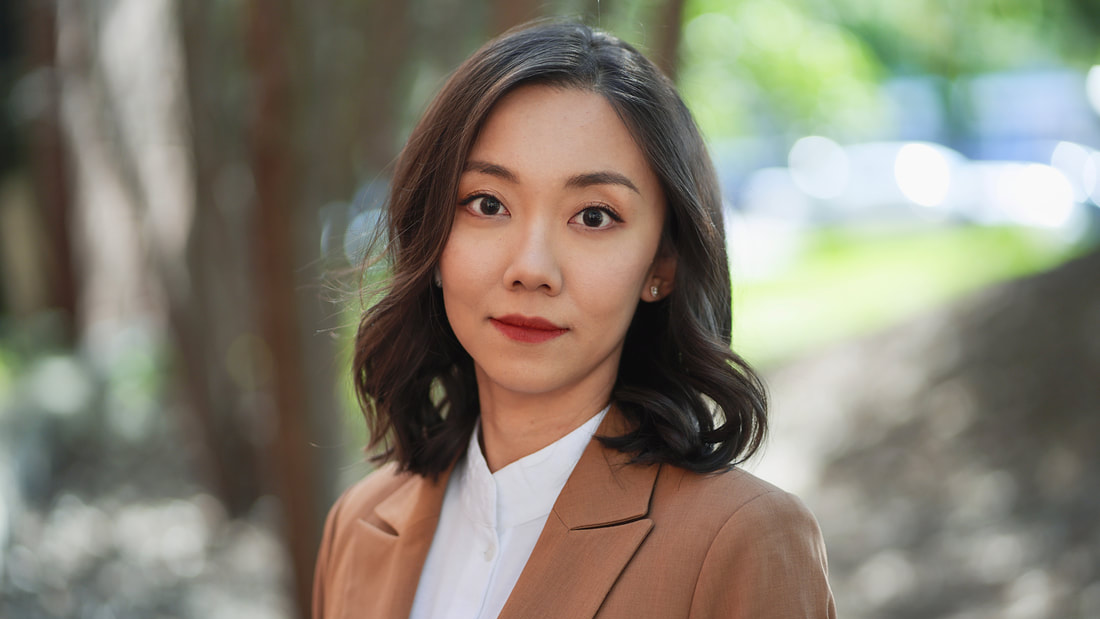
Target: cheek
[
  {"x": 610, "y": 287},
  {"x": 455, "y": 253},
  {"x": 464, "y": 269}
]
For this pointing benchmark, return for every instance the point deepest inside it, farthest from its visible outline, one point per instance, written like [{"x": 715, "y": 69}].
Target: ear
[{"x": 661, "y": 278}]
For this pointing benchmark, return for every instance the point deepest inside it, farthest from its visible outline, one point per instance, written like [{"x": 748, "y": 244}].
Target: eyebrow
[
  {"x": 491, "y": 169},
  {"x": 601, "y": 178},
  {"x": 587, "y": 179}
]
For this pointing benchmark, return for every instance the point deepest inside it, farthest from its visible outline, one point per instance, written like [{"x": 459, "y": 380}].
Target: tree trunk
[
  {"x": 510, "y": 13},
  {"x": 212, "y": 314},
  {"x": 668, "y": 26},
  {"x": 278, "y": 185},
  {"x": 50, "y": 174}
]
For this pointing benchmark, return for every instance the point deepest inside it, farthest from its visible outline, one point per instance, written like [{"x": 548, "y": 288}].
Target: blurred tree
[
  {"x": 508, "y": 13},
  {"x": 668, "y": 26},
  {"x": 213, "y": 308},
  {"x": 279, "y": 206},
  {"x": 48, "y": 165}
]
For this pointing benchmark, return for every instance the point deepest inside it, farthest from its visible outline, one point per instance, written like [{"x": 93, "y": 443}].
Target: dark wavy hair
[{"x": 688, "y": 399}]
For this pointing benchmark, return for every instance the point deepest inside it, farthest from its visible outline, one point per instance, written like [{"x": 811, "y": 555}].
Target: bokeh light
[
  {"x": 1078, "y": 165},
  {"x": 819, "y": 166},
  {"x": 1092, "y": 87},
  {"x": 923, "y": 174},
  {"x": 1034, "y": 195}
]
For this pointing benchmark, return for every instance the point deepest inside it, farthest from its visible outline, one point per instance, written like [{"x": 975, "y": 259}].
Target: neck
[{"x": 513, "y": 427}]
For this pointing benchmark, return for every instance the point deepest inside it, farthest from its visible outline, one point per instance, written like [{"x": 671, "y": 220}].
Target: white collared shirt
[{"x": 489, "y": 524}]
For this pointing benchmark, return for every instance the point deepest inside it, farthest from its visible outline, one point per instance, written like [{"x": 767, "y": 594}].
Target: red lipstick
[{"x": 524, "y": 329}]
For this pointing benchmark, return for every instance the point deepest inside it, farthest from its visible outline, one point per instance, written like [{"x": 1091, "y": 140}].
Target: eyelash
[
  {"x": 465, "y": 202},
  {"x": 603, "y": 208}
]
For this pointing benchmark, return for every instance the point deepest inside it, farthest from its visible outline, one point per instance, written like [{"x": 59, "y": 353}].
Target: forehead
[{"x": 548, "y": 133}]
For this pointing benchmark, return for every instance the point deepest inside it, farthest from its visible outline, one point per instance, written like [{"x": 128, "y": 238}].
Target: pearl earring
[
  {"x": 654, "y": 290},
  {"x": 437, "y": 279}
]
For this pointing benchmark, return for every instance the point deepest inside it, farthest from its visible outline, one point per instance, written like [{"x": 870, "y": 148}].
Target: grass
[{"x": 847, "y": 283}]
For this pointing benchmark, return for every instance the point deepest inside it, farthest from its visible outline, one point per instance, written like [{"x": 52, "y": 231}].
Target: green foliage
[
  {"x": 848, "y": 283},
  {"x": 762, "y": 61},
  {"x": 7, "y": 376},
  {"x": 812, "y": 66}
]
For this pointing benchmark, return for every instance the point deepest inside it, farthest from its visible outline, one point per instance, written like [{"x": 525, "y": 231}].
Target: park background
[{"x": 911, "y": 197}]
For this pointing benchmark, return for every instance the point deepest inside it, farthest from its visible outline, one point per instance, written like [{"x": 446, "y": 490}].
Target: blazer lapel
[
  {"x": 597, "y": 524},
  {"x": 393, "y": 545}
]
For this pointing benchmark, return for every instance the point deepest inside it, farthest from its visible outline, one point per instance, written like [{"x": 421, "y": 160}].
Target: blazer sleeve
[{"x": 767, "y": 561}]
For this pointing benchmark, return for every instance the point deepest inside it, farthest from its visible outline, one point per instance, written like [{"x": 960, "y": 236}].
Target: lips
[{"x": 526, "y": 329}]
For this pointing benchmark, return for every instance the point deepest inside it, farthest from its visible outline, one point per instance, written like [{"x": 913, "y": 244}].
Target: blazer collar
[
  {"x": 597, "y": 524},
  {"x": 417, "y": 500},
  {"x": 392, "y": 548},
  {"x": 604, "y": 488}
]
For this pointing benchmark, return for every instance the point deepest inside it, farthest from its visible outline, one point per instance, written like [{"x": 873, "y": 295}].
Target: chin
[{"x": 514, "y": 380}]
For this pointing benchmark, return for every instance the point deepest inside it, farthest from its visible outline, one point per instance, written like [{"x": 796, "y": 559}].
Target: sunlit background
[{"x": 911, "y": 194}]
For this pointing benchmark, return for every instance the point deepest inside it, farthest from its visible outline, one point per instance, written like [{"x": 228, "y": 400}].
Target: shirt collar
[{"x": 526, "y": 489}]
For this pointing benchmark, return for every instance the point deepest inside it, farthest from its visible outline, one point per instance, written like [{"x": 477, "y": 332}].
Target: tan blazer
[{"x": 622, "y": 541}]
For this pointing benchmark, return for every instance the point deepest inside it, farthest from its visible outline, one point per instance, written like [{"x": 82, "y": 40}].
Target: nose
[{"x": 533, "y": 263}]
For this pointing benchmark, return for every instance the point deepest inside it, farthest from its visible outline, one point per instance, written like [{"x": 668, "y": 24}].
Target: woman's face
[{"x": 554, "y": 241}]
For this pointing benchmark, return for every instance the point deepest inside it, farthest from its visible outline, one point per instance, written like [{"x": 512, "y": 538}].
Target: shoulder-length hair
[{"x": 688, "y": 399}]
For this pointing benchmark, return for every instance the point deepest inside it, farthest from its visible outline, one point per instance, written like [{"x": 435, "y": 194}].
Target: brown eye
[
  {"x": 488, "y": 205},
  {"x": 596, "y": 217},
  {"x": 484, "y": 205}
]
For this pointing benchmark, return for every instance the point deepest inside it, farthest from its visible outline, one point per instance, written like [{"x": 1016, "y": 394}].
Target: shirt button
[{"x": 490, "y": 552}]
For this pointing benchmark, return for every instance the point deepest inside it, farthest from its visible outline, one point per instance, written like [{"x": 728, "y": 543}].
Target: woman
[{"x": 548, "y": 372}]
